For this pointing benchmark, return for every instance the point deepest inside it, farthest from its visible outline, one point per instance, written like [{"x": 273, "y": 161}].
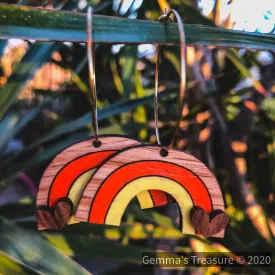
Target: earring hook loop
[
  {"x": 166, "y": 19},
  {"x": 92, "y": 80}
]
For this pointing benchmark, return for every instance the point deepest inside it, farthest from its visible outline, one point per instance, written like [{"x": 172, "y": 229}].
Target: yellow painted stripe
[
  {"x": 145, "y": 200},
  {"x": 136, "y": 186},
  {"x": 78, "y": 187},
  {"x": 73, "y": 220}
]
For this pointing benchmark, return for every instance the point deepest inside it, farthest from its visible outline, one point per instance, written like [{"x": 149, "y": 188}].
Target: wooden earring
[
  {"x": 64, "y": 180},
  {"x": 123, "y": 176},
  {"x": 146, "y": 167},
  {"x": 70, "y": 171}
]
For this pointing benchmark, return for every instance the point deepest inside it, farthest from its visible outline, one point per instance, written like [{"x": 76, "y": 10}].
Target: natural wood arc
[
  {"x": 119, "y": 179},
  {"x": 51, "y": 25},
  {"x": 84, "y": 148}
]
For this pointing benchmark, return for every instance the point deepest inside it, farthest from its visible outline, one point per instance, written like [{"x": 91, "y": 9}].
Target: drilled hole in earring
[
  {"x": 96, "y": 143},
  {"x": 164, "y": 152}
]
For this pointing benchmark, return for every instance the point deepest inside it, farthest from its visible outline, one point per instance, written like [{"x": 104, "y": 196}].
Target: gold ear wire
[
  {"x": 92, "y": 81},
  {"x": 166, "y": 19}
]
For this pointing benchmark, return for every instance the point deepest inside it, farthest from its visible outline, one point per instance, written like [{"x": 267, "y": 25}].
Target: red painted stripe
[
  {"x": 159, "y": 197},
  {"x": 63, "y": 181},
  {"x": 115, "y": 182}
]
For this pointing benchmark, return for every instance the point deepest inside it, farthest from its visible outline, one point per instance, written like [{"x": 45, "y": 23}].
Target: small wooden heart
[
  {"x": 55, "y": 217},
  {"x": 208, "y": 225}
]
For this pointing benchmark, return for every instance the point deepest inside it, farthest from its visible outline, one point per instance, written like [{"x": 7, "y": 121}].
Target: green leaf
[
  {"x": 91, "y": 248},
  {"x": 6, "y": 127},
  {"x": 268, "y": 106},
  {"x": 24, "y": 70},
  {"x": 12, "y": 125},
  {"x": 18, "y": 210},
  {"x": 116, "y": 77},
  {"x": 151, "y": 216},
  {"x": 2, "y": 46},
  {"x": 9, "y": 265},
  {"x": 114, "y": 109},
  {"x": 32, "y": 156},
  {"x": 193, "y": 16},
  {"x": 51, "y": 25},
  {"x": 36, "y": 56},
  {"x": 150, "y": 225},
  {"x": 235, "y": 58},
  {"x": 34, "y": 251},
  {"x": 128, "y": 59},
  {"x": 38, "y": 157},
  {"x": 153, "y": 225}
]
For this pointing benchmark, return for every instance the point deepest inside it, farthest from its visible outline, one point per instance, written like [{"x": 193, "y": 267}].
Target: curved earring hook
[
  {"x": 91, "y": 65},
  {"x": 166, "y": 18},
  {"x": 156, "y": 104}
]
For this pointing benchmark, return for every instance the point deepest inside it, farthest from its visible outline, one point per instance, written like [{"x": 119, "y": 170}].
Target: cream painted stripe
[
  {"x": 145, "y": 200},
  {"x": 133, "y": 188},
  {"x": 80, "y": 183},
  {"x": 77, "y": 190},
  {"x": 78, "y": 187}
]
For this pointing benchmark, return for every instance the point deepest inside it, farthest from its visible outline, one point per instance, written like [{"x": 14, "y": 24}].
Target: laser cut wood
[
  {"x": 55, "y": 217},
  {"x": 71, "y": 170},
  {"x": 141, "y": 168},
  {"x": 208, "y": 224}
]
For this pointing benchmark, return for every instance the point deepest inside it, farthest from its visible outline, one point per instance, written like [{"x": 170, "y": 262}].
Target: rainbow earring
[
  {"x": 64, "y": 180},
  {"x": 141, "y": 169}
]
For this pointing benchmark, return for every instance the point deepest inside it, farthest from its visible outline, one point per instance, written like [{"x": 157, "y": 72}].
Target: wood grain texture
[
  {"x": 55, "y": 217},
  {"x": 208, "y": 224},
  {"x": 65, "y": 176},
  {"x": 71, "y": 170},
  {"x": 144, "y": 162},
  {"x": 81, "y": 149}
]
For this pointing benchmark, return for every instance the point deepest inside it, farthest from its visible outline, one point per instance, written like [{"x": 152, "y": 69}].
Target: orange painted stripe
[
  {"x": 115, "y": 182},
  {"x": 66, "y": 177},
  {"x": 159, "y": 198}
]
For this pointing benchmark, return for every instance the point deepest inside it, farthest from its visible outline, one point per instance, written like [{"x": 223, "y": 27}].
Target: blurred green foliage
[{"x": 229, "y": 126}]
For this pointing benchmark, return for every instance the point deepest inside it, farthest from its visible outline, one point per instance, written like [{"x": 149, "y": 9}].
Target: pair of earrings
[{"x": 94, "y": 180}]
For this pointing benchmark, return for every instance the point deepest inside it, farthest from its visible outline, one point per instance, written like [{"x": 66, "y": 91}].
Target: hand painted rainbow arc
[
  {"x": 123, "y": 176},
  {"x": 71, "y": 170}
]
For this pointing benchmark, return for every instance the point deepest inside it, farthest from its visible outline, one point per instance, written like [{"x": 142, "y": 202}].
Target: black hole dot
[
  {"x": 164, "y": 152},
  {"x": 97, "y": 143}
]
